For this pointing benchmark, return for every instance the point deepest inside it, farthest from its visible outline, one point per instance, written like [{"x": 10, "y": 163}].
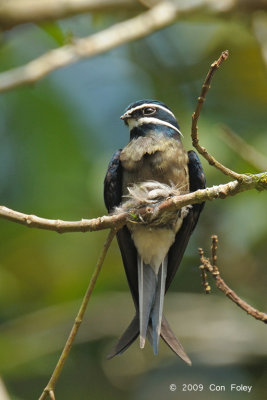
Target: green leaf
[{"x": 54, "y": 30}]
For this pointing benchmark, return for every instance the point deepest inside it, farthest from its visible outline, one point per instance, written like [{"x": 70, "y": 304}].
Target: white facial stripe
[
  {"x": 150, "y": 105},
  {"x": 133, "y": 123}
]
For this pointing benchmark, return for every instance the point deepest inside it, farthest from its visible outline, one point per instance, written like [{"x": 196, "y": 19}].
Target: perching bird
[{"x": 153, "y": 166}]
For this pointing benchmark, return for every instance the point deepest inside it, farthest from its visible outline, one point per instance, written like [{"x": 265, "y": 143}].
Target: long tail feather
[
  {"x": 171, "y": 340},
  {"x": 156, "y": 315},
  {"x": 127, "y": 338},
  {"x": 147, "y": 284}
]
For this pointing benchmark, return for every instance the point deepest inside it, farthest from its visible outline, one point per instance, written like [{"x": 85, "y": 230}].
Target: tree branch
[
  {"x": 49, "y": 389},
  {"x": 253, "y": 181},
  {"x": 59, "y": 226},
  {"x": 144, "y": 24},
  {"x": 212, "y": 268}
]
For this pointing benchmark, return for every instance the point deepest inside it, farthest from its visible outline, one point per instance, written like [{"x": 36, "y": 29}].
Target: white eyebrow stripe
[
  {"x": 150, "y": 105},
  {"x": 150, "y": 120}
]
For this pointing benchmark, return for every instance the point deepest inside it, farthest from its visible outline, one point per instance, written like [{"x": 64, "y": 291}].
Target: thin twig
[
  {"x": 214, "y": 248},
  {"x": 204, "y": 279},
  {"x": 194, "y": 130},
  {"x": 253, "y": 181},
  {"x": 52, "y": 395},
  {"x": 243, "y": 149},
  {"x": 49, "y": 389},
  {"x": 213, "y": 269}
]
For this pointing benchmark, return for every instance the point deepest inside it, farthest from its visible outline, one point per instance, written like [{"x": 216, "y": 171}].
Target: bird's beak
[{"x": 125, "y": 116}]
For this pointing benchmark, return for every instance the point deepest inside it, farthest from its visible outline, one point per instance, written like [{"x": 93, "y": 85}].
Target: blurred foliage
[{"x": 56, "y": 140}]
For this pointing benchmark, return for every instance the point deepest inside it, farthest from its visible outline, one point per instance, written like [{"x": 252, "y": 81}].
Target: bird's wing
[
  {"x": 113, "y": 182},
  {"x": 129, "y": 258},
  {"x": 197, "y": 181},
  {"x": 112, "y": 197}
]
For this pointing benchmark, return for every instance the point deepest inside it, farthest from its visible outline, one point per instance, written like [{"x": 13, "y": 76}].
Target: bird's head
[{"x": 150, "y": 115}]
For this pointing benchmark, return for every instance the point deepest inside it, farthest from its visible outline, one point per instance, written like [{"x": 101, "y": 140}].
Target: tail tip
[
  {"x": 188, "y": 361},
  {"x": 142, "y": 342},
  {"x": 110, "y": 355},
  {"x": 155, "y": 351}
]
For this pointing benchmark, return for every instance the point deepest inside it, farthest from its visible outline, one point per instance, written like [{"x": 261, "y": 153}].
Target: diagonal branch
[
  {"x": 49, "y": 389},
  {"x": 213, "y": 269},
  {"x": 144, "y": 24},
  {"x": 256, "y": 181}
]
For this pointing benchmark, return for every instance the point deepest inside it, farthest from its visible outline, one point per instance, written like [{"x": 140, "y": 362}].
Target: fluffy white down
[
  {"x": 153, "y": 243},
  {"x": 147, "y": 193}
]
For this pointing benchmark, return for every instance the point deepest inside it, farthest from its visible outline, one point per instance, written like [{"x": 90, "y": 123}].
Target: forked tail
[{"x": 166, "y": 333}]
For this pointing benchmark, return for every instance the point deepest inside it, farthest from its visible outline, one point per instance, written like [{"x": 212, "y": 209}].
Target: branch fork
[{"x": 211, "y": 267}]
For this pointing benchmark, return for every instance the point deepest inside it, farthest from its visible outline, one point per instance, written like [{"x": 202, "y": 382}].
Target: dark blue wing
[
  {"x": 112, "y": 197},
  {"x": 113, "y": 182},
  {"x": 197, "y": 181}
]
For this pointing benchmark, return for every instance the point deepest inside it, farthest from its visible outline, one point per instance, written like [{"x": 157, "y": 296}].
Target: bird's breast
[{"x": 155, "y": 158}]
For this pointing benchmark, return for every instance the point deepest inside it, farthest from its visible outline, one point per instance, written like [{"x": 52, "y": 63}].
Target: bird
[{"x": 153, "y": 166}]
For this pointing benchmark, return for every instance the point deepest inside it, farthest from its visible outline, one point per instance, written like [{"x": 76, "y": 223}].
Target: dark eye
[{"x": 149, "y": 110}]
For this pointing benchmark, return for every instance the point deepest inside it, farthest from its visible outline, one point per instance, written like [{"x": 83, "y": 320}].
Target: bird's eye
[{"x": 149, "y": 110}]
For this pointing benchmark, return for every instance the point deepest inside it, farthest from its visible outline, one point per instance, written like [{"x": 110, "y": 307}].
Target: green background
[{"x": 57, "y": 137}]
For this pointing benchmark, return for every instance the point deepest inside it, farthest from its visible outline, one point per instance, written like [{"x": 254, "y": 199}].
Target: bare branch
[
  {"x": 150, "y": 21},
  {"x": 243, "y": 149},
  {"x": 194, "y": 130},
  {"x": 57, "y": 225},
  {"x": 49, "y": 389},
  {"x": 15, "y": 12},
  {"x": 257, "y": 181},
  {"x": 213, "y": 269}
]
